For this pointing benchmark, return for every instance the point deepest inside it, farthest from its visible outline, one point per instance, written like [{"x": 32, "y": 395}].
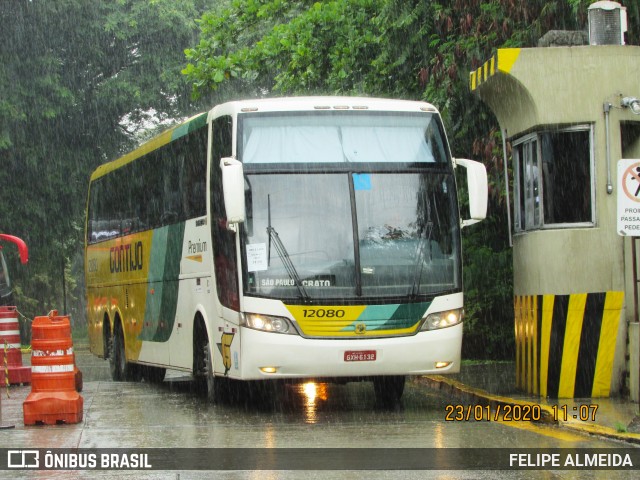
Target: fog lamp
[{"x": 442, "y": 364}]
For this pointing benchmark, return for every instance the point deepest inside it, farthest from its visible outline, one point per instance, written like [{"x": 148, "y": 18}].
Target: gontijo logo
[{"x": 126, "y": 258}]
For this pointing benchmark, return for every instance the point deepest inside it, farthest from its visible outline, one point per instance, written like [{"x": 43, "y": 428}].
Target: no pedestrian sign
[{"x": 629, "y": 197}]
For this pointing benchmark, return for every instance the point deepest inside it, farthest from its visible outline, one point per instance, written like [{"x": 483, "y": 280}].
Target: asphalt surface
[
  {"x": 159, "y": 426},
  {"x": 489, "y": 384}
]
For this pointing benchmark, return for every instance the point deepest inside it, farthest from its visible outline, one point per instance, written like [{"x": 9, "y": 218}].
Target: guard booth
[{"x": 570, "y": 114}]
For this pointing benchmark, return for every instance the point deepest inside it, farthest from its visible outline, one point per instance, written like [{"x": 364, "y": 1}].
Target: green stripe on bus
[
  {"x": 163, "y": 284},
  {"x": 189, "y": 126},
  {"x": 169, "y": 302},
  {"x": 409, "y": 313},
  {"x": 391, "y": 317}
]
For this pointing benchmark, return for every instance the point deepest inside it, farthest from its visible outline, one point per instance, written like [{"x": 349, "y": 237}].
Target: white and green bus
[{"x": 283, "y": 239}]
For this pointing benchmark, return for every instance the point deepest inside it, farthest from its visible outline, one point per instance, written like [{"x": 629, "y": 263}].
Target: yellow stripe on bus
[
  {"x": 155, "y": 143},
  {"x": 320, "y": 321},
  {"x": 150, "y": 146}
]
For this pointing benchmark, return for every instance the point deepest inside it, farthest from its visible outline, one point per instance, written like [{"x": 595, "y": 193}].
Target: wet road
[{"x": 170, "y": 415}]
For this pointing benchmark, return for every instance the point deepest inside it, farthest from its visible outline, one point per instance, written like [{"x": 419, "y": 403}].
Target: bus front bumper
[{"x": 271, "y": 355}]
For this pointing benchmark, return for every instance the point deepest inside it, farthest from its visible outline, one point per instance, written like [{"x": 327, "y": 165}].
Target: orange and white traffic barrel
[
  {"x": 12, "y": 372},
  {"x": 53, "y": 398}
]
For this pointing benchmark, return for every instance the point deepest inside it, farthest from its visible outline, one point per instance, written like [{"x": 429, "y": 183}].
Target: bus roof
[
  {"x": 291, "y": 104},
  {"x": 278, "y": 104},
  {"x": 168, "y": 136}
]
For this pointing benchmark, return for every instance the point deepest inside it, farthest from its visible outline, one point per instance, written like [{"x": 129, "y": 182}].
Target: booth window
[{"x": 553, "y": 181}]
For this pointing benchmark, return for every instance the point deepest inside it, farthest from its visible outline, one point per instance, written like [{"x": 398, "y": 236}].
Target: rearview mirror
[
  {"x": 233, "y": 189},
  {"x": 478, "y": 191}
]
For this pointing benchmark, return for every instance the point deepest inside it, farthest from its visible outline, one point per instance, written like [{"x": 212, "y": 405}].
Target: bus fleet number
[{"x": 323, "y": 313}]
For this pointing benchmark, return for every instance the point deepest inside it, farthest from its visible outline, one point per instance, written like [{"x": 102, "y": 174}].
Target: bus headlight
[
  {"x": 268, "y": 323},
  {"x": 437, "y": 320}
]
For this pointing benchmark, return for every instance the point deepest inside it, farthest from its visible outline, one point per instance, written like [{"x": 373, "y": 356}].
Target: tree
[
  {"x": 79, "y": 83},
  {"x": 285, "y": 47}
]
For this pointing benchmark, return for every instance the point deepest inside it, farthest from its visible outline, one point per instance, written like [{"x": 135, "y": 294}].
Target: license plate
[{"x": 360, "y": 356}]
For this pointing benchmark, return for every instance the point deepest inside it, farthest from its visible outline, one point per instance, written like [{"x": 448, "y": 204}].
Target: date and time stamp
[{"x": 520, "y": 413}]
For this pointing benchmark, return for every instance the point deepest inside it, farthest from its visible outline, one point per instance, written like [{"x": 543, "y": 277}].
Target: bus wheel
[
  {"x": 209, "y": 382},
  {"x": 388, "y": 390},
  {"x": 116, "y": 356},
  {"x": 121, "y": 370},
  {"x": 203, "y": 373}
]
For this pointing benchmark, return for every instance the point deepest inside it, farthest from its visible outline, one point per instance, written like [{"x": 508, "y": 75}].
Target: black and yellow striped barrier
[
  {"x": 502, "y": 61},
  {"x": 565, "y": 344}
]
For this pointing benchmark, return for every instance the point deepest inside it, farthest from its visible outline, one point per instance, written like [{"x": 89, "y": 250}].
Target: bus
[{"x": 291, "y": 239}]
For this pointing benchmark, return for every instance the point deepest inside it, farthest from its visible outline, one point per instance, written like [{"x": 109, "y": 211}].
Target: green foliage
[
  {"x": 489, "y": 314},
  {"x": 303, "y": 58},
  {"x": 285, "y": 47},
  {"x": 620, "y": 427},
  {"x": 72, "y": 72}
]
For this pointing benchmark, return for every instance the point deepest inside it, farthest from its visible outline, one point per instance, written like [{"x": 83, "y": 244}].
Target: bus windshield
[
  {"x": 312, "y": 236},
  {"x": 348, "y": 206}
]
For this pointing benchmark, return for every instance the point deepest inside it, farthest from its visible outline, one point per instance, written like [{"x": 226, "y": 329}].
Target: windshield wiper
[
  {"x": 284, "y": 256},
  {"x": 415, "y": 287}
]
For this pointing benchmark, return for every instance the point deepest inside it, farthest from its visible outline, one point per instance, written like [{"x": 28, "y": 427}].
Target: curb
[
  {"x": 601, "y": 431},
  {"x": 476, "y": 396}
]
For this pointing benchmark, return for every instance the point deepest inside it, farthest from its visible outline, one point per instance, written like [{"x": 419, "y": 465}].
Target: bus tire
[
  {"x": 107, "y": 338},
  {"x": 209, "y": 376},
  {"x": 116, "y": 353},
  {"x": 206, "y": 382},
  {"x": 203, "y": 371},
  {"x": 388, "y": 389},
  {"x": 121, "y": 370}
]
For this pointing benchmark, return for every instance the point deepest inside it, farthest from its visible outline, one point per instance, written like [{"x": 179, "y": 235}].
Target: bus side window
[
  {"x": 172, "y": 159},
  {"x": 194, "y": 171},
  {"x": 154, "y": 188},
  {"x": 224, "y": 245}
]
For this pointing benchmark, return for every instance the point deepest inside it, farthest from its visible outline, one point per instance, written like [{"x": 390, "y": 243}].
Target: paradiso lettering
[{"x": 126, "y": 258}]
